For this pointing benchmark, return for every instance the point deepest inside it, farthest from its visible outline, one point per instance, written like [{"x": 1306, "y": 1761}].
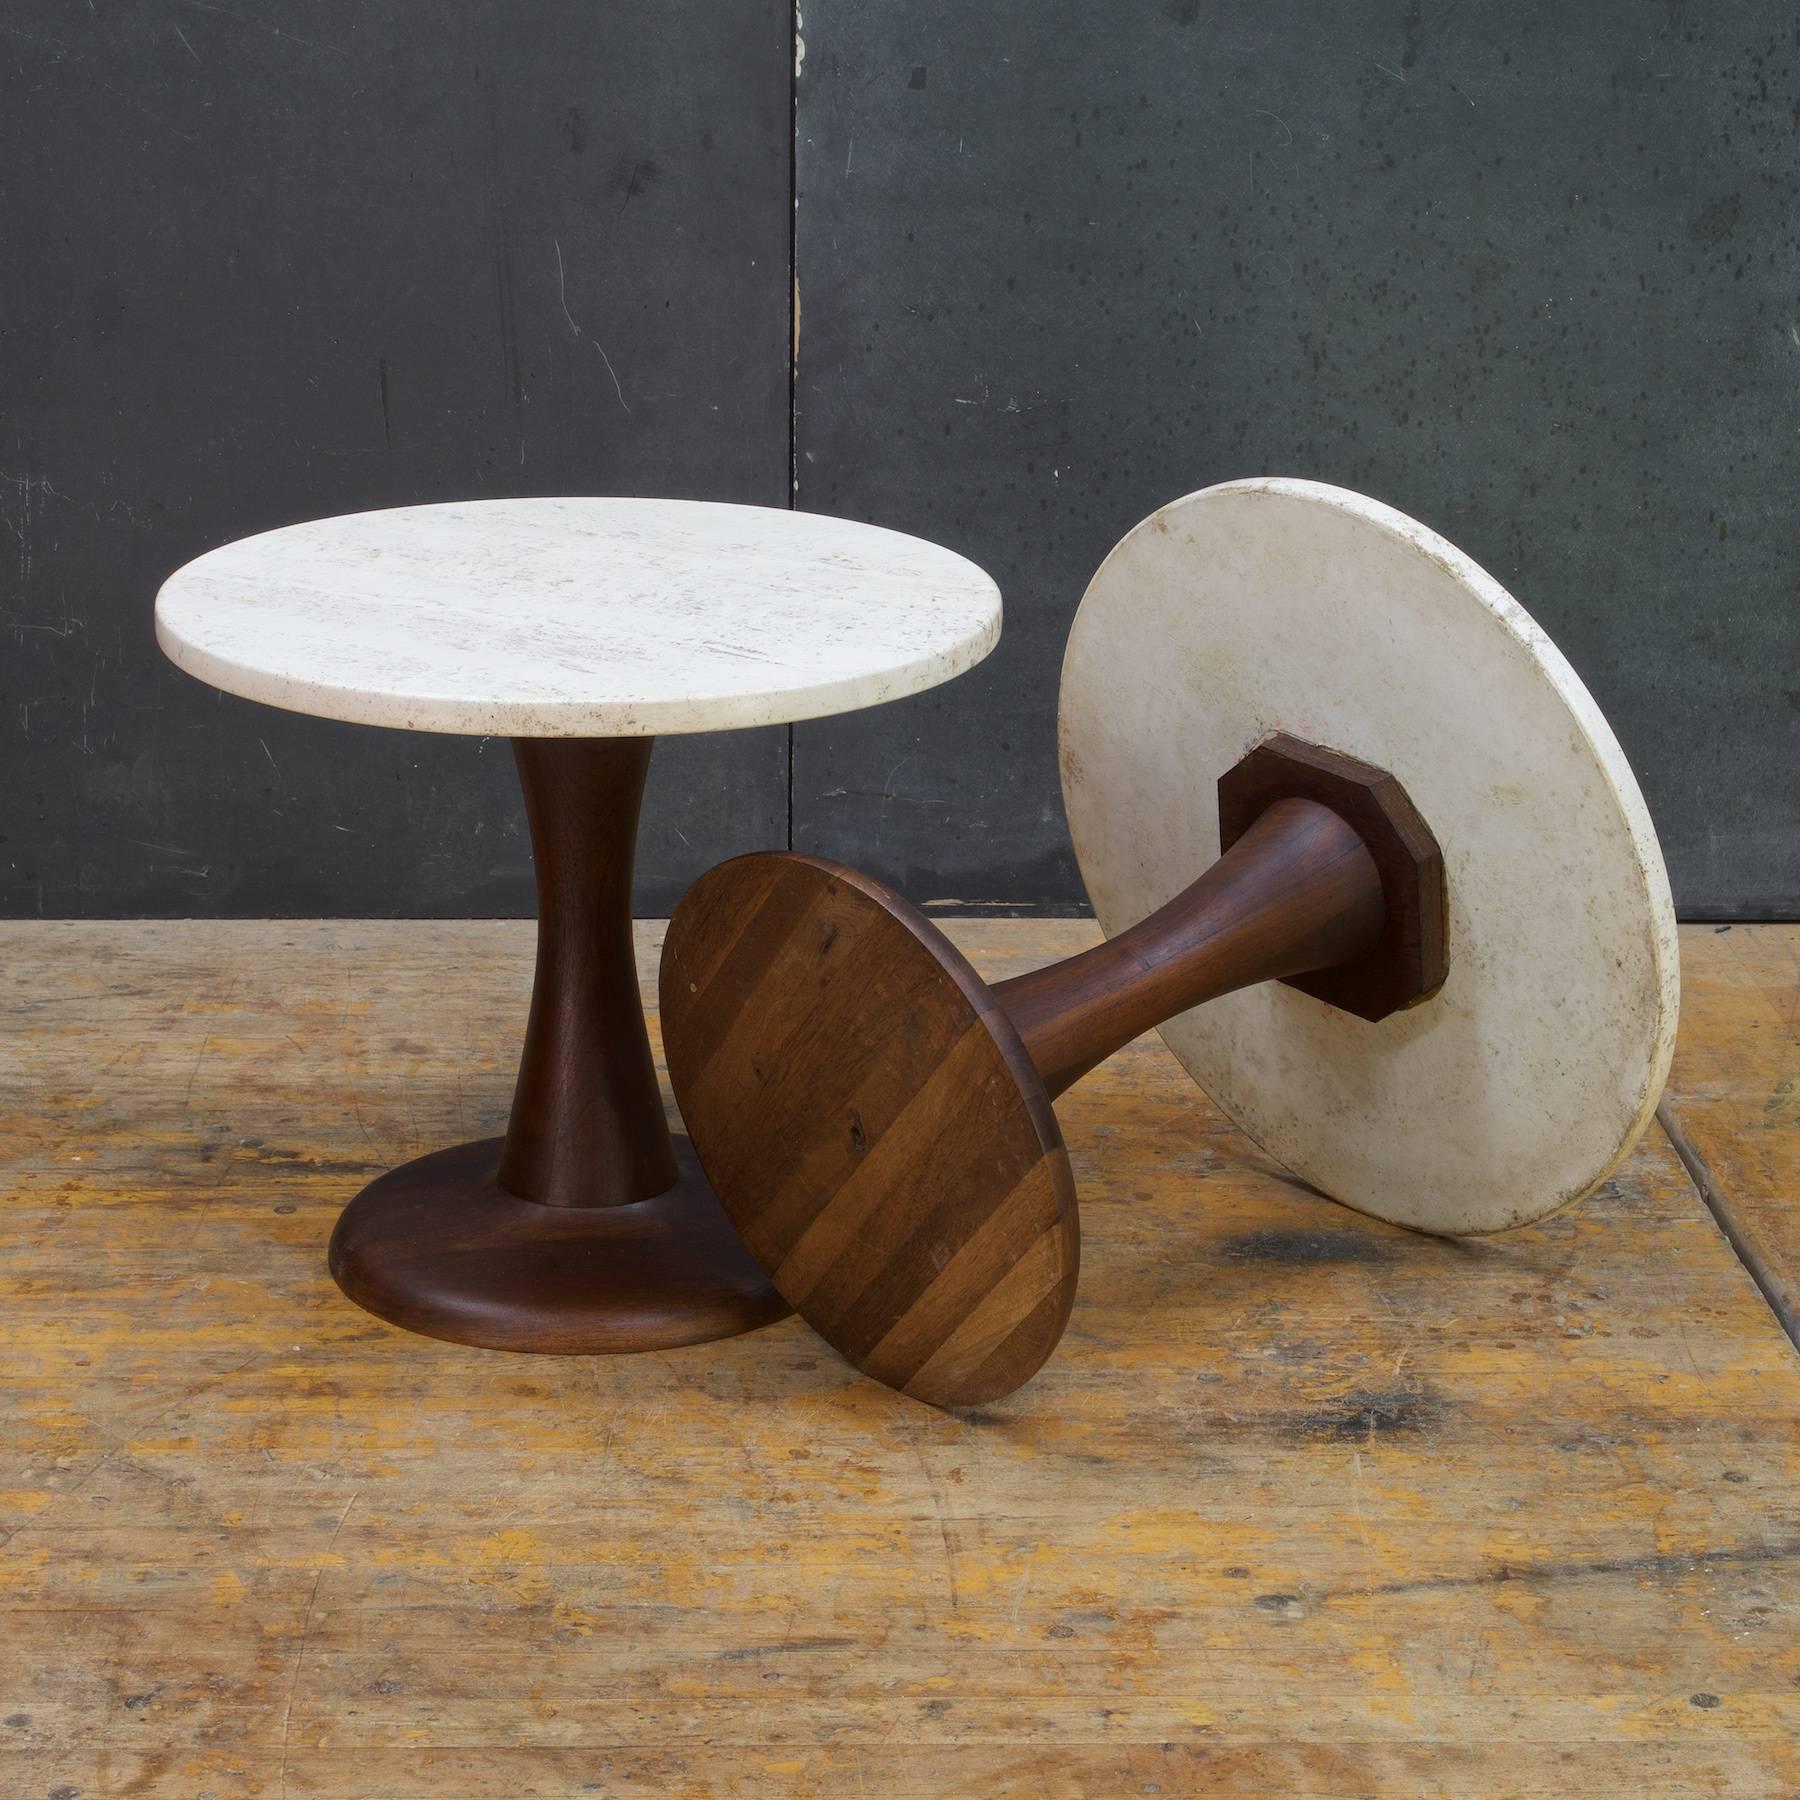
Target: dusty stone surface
[
  {"x": 1278, "y": 605},
  {"x": 577, "y": 617}
]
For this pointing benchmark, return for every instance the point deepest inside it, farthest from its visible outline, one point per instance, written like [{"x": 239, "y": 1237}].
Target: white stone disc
[
  {"x": 1276, "y": 605},
  {"x": 577, "y": 617}
]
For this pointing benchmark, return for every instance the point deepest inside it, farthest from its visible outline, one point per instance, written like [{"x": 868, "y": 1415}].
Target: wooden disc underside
[{"x": 872, "y": 1124}]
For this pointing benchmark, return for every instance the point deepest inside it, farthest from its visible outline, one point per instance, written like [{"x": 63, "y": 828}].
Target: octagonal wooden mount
[{"x": 1411, "y": 958}]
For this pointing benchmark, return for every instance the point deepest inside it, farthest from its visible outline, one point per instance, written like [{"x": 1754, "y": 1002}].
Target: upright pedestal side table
[{"x": 579, "y": 628}]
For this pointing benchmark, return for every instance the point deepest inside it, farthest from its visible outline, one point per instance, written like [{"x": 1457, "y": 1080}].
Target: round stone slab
[
  {"x": 871, "y": 1122},
  {"x": 577, "y": 617},
  {"x": 1276, "y": 605}
]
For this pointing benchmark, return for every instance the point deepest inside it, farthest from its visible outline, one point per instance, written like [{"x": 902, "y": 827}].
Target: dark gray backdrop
[
  {"x": 266, "y": 261},
  {"x": 1531, "y": 272}
]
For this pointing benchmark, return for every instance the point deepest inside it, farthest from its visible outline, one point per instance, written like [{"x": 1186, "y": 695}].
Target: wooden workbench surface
[
  {"x": 1733, "y": 1101},
  {"x": 1303, "y": 1505}
]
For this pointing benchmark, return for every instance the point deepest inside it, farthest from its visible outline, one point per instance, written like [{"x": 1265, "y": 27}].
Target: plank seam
[{"x": 1706, "y": 1185}]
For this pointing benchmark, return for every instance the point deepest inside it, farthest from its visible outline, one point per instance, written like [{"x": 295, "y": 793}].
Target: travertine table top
[
  {"x": 1277, "y": 605},
  {"x": 578, "y": 617}
]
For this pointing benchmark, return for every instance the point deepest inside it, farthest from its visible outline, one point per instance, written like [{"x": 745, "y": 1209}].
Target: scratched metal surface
[
  {"x": 1304, "y": 1504},
  {"x": 1525, "y": 270},
  {"x": 268, "y": 262}
]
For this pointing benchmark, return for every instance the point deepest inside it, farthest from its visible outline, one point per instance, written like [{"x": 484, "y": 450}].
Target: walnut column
[{"x": 586, "y": 1228}]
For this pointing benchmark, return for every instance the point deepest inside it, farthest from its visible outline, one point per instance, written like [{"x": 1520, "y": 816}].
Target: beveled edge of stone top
[{"x": 577, "y": 616}]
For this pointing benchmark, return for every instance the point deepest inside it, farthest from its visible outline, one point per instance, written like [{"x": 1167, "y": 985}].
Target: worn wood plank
[
  {"x": 1733, "y": 1100},
  {"x": 1303, "y": 1504}
]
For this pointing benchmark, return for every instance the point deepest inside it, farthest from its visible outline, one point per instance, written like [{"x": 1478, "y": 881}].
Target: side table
[{"x": 580, "y": 628}]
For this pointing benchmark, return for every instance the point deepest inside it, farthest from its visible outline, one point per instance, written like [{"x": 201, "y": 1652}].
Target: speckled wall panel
[
  {"x": 1530, "y": 272},
  {"x": 266, "y": 263}
]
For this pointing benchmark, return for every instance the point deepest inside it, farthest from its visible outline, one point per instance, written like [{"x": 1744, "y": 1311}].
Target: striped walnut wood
[
  {"x": 877, "y": 1120},
  {"x": 889, "y": 1152}
]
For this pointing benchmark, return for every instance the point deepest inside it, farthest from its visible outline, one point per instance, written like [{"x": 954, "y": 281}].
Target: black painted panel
[
  {"x": 1528, "y": 271},
  {"x": 268, "y": 261}
]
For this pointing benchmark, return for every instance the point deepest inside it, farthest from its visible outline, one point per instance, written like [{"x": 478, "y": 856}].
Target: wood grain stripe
[
  {"x": 942, "y": 1321},
  {"x": 1040, "y": 1274},
  {"x": 861, "y": 1223},
  {"x": 865, "y": 1114}
]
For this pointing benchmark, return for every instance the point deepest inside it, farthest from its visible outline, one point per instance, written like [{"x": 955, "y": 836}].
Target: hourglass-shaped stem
[{"x": 1298, "y": 892}]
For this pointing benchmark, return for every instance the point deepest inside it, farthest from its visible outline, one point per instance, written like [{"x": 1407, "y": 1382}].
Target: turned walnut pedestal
[
  {"x": 579, "y": 628},
  {"x": 1368, "y": 856}
]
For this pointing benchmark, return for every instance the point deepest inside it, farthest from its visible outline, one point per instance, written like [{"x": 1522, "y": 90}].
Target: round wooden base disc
[
  {"x": 1273, "y": 605},
  {"x": 872, "y": 1124},
  {"x": 439, "y": 1247}
]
